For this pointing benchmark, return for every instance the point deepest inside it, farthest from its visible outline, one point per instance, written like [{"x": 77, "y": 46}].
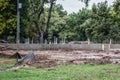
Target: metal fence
[{"x": 63, "y": 46}]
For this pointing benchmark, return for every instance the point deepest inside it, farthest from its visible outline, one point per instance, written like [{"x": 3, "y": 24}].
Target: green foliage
[
  {"x": 104, "y": 22},
  {"x": 58, "y": 22},
  {"x": 7, "y": 18},
  {"x": 101, "y": 22},
  {"x": 75, "y": 24},
  {"x": 105, "y": 26}
]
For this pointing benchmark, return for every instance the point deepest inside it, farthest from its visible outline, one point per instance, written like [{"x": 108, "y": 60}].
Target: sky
[{"x": 75, "y": 5}]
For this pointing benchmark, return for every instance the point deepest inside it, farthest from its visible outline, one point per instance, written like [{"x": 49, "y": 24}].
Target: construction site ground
[{"x": 51, "y": 58}]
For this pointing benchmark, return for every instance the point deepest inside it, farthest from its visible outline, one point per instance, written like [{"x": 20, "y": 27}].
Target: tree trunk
[
  {"x": 43, "y": 33},
  {"x": 49, "y": 16},
  {"x": 42, "y": 27},
  {"x": 37, "y": 14}
]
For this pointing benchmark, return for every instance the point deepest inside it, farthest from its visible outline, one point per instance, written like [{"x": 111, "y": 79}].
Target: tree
[
  {"x": 37, "y": 8},
  {"x": 115, "y": 16},
  {"x": 57, "y": 23},
  {"x": 41, "y": 27},
  {"x": 100, "y": 21},
  {"x": 7, "y": 19},
  {"x": 102, "y": 24},
  {"x": 37, "y": 18},
  {"x": 75, "y": 24}
]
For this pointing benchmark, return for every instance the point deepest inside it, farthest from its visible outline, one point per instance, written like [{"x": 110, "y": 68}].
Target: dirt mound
[
  {"x": 4, "y": 55},
  {"x": 41, "y": 57},
  {"x": 51, "y": 58},
  {"x": 43, "y": 61},
  {"x": 2, "y": 48}
]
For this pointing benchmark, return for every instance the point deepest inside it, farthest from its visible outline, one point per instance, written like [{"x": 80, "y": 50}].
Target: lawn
[
  {"x": 65, "y": 72},
  {"x": 7, "y": 62}
]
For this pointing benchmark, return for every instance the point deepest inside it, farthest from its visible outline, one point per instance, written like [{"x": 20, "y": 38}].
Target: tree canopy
[{"x": 44, "y": 20}]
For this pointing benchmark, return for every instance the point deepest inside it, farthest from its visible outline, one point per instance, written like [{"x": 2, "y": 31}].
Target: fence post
[
  {"x": 45, "y": 41},
  {"x": 109, "y": 44},
  {"x": 55, "y": 40},
  {"x": 88, "y": 41},
  {"x": 103, "y": 47},
  {"x": 50, "y": 42},
  {"x": 32, "y": 41}
]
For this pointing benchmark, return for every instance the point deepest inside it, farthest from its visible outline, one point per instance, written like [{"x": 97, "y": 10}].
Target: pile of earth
[{"x": 51, "y": 58}]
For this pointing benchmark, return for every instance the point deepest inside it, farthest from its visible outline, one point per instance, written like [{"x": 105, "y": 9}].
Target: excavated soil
[{"x": 51, "y": 58}]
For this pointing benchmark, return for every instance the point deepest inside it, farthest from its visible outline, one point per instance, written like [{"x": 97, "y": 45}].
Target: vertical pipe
[{"x": 18, "y": 23}]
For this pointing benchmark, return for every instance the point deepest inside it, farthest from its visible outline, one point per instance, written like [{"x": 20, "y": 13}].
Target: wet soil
[{"x": 51, "y": 58}]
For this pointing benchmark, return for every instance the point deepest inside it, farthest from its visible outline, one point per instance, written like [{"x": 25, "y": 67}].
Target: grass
[
  {"x": 6, "y": 62},
  {"x": 65, "y": 72},
  {"x": 2, "y": 59}
]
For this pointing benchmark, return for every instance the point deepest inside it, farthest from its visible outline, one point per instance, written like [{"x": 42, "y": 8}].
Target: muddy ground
[{"x": 51, "y": 58}]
